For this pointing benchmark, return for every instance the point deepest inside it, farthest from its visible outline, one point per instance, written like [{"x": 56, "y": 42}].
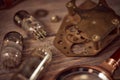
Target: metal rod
[{"x": 40, "y": 67}]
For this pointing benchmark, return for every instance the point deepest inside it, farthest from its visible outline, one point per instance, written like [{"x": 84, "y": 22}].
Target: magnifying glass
[{"x": 104, "y": 71}]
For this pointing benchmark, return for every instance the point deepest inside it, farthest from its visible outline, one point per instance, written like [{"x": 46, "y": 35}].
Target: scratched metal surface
[{"x": 55, "y": 7}]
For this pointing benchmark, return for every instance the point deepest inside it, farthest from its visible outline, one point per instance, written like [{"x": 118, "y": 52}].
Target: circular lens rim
[{"x": 102, "y": 74}]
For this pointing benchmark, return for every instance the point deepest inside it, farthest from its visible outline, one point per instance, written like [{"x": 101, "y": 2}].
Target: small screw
[
  {"x": 95, "y": 38},
  {"x": 69, "y": 4},
  {"x": 55, "y": 19},
  {"x": 115, "y": 21},
  {"x": 93, "y": 22}
]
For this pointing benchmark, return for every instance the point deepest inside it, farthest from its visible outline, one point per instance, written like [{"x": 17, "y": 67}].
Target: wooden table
[{"x": 54, "y": 7}]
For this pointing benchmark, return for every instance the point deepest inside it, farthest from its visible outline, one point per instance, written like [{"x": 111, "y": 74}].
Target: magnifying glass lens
[
  {"x": 82, "y": 73},
  {"x": 82, "y": 76}
]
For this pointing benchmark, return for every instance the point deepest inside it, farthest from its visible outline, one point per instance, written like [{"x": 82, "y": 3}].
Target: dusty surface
[{"x": 54, "y": 7}]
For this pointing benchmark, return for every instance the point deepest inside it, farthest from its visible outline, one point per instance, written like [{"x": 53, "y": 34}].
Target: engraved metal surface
[
  {"x": 84, "y": 31},
  {"x": 59, "y": 61}
]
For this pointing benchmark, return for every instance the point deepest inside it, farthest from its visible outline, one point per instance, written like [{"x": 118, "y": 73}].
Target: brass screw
[
  {"x": 115, "y": 21},
  {"x": 55, "y": 19},
  {"x": 95, "y": 38},
  {"x": 93, "y": 22},
  {"x": 69, "y": 4}
]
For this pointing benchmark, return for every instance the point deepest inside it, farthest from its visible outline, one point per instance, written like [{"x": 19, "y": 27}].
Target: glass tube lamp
[
  {"x": 11, "y": 52},
  {"x": 32, "y": 26}
]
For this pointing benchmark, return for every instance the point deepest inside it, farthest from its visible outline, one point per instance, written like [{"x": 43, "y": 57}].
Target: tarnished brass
[
  {"x": 55, "y": 18},
  {"x": 87, "y": 29}
]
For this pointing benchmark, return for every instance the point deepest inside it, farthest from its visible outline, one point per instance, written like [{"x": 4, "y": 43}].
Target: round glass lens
[
  {"x": 82, "y": 73},
  {"x": 82, "y": 76}
]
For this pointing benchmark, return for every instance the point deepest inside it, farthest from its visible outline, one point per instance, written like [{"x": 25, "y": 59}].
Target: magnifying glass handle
[
  {"x": 112, "y": 63},
  {"x": 114, "y": 60},
  {"x": 41, "y": 66},
  {"x": 116, "y": 56}
]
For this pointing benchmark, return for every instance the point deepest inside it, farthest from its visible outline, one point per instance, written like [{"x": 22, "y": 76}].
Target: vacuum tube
[
  {"x": 104, "y": 71},
  {"x": 30, "y": 24},
  {"x": 11, "y": 52}
]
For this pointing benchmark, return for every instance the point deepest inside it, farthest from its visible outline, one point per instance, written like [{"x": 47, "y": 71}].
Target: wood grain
[{"x": 54, "y": 7}]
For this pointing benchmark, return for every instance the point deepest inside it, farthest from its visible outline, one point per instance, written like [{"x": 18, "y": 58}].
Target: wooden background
[{"x": 54, "y": 7}]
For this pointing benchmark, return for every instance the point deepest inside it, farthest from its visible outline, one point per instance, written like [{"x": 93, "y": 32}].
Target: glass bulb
[
  {"x": 11, "y": 52},
  {"x": 30, "y": 24}
]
